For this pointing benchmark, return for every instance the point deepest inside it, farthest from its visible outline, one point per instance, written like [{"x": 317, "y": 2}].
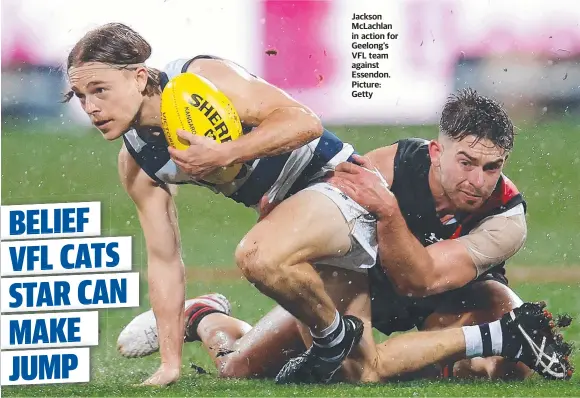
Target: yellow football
[{"x": 192, "y": 103}]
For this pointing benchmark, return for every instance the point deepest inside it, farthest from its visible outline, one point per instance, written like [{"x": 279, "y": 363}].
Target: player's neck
[
  {"x": 443, "y": 204},
  {"x": 150, "y": 114}
]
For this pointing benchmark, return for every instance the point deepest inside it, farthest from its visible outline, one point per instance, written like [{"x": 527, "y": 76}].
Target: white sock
[
  {"x": 328, "y": 330},
  {"x": 327, "y": 341},
  {"x": 483, "y": 340}
]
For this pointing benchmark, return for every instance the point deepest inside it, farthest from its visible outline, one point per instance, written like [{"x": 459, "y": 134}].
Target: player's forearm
[
  {"x": 404, "y": 259},
  {"x": 284, "y": 130},
  {"x": 167, "y": 296}
]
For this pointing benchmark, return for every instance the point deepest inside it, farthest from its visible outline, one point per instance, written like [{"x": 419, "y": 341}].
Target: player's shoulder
[
  {"x": 176, "y": 67},
  {"x": 388, "y": 151},
  {"x": 408, "y": 155},
  {"x": 411, "y": 146},
  {"x": 212, "y": 67},
  {"x": 413, "y": 141},
  {"x": 182, "y": 65},
  {"x": 384, "y": 160}
]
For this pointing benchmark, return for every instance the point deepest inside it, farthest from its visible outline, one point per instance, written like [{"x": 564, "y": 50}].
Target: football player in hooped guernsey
[{"x": 285, "y": 151}]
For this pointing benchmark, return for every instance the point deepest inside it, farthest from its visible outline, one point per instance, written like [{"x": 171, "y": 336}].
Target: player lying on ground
[
  {"x": 240, "y": 351},
  {"x": 283, "y": 154},
  {"x": 446, "y": 223},
  {"x": 461, "y": 217}
]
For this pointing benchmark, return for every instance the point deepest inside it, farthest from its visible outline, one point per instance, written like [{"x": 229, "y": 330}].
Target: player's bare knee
[
  {"x": 244, "y": 256},
  {"x": 257, "y": 266}
]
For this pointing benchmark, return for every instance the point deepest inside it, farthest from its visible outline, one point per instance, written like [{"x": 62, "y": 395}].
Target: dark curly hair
[{"x": 467, "y": 113}]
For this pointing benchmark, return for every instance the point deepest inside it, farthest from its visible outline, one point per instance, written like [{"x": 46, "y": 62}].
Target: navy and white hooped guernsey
[{"x": 278, "y": 176}]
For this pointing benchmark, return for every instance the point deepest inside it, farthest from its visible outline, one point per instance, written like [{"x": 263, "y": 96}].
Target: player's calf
[{"x": 345, "y": 340}]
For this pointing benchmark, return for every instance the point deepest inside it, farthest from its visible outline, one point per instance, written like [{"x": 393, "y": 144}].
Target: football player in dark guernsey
[{"x": 447, "y": 219}]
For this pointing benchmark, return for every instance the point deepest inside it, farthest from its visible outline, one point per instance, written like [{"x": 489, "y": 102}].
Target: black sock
[{"x": 327, "y": 343}]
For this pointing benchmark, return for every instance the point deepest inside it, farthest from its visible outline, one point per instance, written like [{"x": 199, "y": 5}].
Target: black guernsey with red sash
[{"x": 392, "y": 312}]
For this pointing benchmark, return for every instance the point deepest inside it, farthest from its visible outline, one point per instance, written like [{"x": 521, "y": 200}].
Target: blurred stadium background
[{"x": 524, "y": 53}]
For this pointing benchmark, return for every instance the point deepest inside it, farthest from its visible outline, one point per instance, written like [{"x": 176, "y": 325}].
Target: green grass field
[{"x": 43, "y": 164}]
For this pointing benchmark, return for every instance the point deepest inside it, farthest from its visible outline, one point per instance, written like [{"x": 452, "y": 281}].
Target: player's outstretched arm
[
  {"x": 282, "y": 124},
  {"x": 165, "y": 270}
]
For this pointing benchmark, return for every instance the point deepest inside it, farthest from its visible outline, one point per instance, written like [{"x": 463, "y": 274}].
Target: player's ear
[
  {"x": 142, "y": 76},
  {"x": 435, "y": 151}
]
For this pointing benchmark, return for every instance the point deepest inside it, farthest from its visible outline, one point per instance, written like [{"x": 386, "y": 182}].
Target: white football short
[{"x": 363, "y": 252}]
